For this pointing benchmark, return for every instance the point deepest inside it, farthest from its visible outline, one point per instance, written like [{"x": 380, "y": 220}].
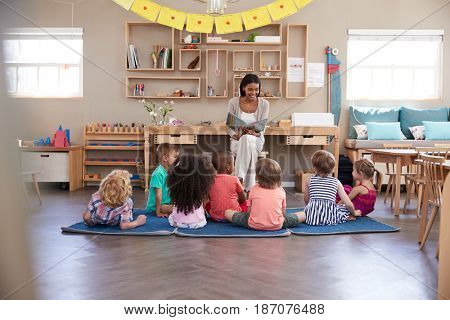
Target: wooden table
[
  {"x": 313, "y": 136},
  {"x": 400, "y": 157},
  {"x": 55, "y": 164}
]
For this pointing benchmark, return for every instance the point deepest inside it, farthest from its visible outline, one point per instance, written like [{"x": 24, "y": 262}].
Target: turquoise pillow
[
  {"x": 410, "y": 117},
  {"x": 437, "y": 130},
  {"x": 384, "y": 131},
  {"x": 361, "y": 115}
]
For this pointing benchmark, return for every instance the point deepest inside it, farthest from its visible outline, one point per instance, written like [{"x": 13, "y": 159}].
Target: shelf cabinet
[
  {"x": 217, "y": 73},
  {"x": 297, "y": 47}
]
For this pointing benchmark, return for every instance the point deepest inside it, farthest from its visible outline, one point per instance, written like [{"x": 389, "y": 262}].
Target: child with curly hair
[
  {"x": 111, "y": 204},
  {"x": 320, "y": 194},
  {"x": 189, "y": 182},
  {"x": 267, "y": 202},
  {"x": 364, "y": 194}
]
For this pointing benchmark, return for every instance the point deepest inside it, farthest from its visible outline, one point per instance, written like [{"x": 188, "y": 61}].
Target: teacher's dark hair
[{"x": 249, "y": 78}]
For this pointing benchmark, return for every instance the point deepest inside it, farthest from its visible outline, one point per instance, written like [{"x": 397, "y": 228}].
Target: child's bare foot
[
  {"x": 351, "y": 218},
  {"x": 162, "y": 215},
  {"x": 358, "y": 213}
]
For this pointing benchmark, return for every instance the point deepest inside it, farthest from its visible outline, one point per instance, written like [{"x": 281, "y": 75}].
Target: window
[
  {"x": 44, "y": 63},
  {"x": 394, "y": 64}
]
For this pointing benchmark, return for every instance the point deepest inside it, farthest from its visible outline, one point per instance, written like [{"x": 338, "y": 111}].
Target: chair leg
[
  {"x": 393, "y": 190},
  {"x": 419, "y": 198},
  {"x": 36, "y": 186},
  {"x": 408, "y": 195},
  {"x": 437, "y": 250},
  {"x": 434, "y": 212},
  {"x": 388, "y": 188},
  {"x": 25, "y": 192}
]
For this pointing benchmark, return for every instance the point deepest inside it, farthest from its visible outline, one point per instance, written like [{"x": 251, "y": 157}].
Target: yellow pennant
[
  {"x": 281, "y": 9},
  {"x": 256, "y": 18},
  {"x": 172, "y": 18},
  {"x": 301, "y": 3},
  {"x": 126, "y": 4},
  {"x": 146, "y": 9},
  {"x": 229, "y": 23},
  {"x": 201, "y": 23}
]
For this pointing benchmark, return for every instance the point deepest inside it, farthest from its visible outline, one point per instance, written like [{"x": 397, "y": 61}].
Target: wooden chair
[
  {"x": 36, "y": 186},
  {"x": 434, "y": 181},
  {"x": 417, "y": 181},
  {"x": 391, "y": 170}
]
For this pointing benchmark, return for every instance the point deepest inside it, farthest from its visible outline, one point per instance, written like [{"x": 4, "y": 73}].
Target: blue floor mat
[
  {"x": 228, "y": 230},
  {"x": 154, "y": 227},
  {"x": 360, "y": 225}
]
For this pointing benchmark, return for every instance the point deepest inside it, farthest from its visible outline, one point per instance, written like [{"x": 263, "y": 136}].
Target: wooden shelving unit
[
  {"x": 297, "y": 47},
  {"x": 270, "y": 60},
  {"x": 137, "y": 34},
  {"x": 217, "y": 73},
  {"x": 157, "y": 87},
  {"x": 105, "y": 150},
  {"x": 243, "y": 60},
  {"x": 185, "y": 33},
  {"x": 274, "y": 29},
  {"x": 187, "y": 56}
]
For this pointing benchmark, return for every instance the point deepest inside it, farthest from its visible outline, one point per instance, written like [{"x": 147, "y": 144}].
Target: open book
[{"x": 235, "y": 123}]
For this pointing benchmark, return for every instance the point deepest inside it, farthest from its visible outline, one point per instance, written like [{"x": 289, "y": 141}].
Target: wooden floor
[{"x": 366, "y": 266}]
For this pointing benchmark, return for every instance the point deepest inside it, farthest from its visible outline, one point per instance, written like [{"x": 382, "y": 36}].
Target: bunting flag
[
  {"x": 256, "y": 18},
  {"x": 302, "y": 3},
  {"x": 126, "y": 4},
  {"x": 201, "y": 23},
  {"x": 281, "y": 9},
  {"x": 229, "y": 23},
  {"x": 146, "y": 9},
  {"x": 172, "y": 18}
]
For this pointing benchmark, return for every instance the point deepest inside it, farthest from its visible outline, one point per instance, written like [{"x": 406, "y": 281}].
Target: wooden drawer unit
[
  {"x": 175, "y": 138},
  {"x": 306, "y": 140},
  {"x": 53, "y": 166}
]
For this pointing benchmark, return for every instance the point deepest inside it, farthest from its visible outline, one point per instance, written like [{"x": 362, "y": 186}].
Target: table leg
[
  {"x": 398, "y": 173},
  {"x": 423, "y": 217}
]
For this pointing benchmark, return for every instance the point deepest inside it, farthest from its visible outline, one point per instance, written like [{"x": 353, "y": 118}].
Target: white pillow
[
  {"x": 361, "y": 131},
  {"x": 418, "y": 132}
]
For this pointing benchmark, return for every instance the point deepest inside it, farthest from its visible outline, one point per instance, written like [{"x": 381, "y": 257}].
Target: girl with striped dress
[{"x": 320, "y": 194}]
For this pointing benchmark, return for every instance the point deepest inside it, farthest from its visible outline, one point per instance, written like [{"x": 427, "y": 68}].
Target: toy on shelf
[
  {"x": 114, "y": 128},
  {"x": 92, "y": 176},
  {"x": 61, "y": 139},
  {"x": 194, "y": 63},
  {"x": 139, "y": 89}
]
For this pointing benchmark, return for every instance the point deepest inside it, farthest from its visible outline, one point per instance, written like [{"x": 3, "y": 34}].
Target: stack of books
[{"x": 133, "y": 59}]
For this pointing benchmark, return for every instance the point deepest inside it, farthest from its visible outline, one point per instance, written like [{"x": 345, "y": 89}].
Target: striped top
[{"x": 322, "y": 208}]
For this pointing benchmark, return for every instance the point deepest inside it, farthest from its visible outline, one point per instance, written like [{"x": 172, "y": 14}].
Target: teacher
[{"x": 246, "y": 144}]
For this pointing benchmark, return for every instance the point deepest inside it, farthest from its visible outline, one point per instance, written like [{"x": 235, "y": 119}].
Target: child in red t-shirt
[{"x": 227, "y": 192}]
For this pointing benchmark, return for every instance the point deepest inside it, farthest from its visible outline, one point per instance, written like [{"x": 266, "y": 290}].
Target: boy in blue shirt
[{"x": 159, "y": 199}]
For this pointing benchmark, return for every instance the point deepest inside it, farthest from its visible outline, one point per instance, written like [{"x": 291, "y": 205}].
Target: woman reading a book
[{"x": 247, "y": 118}]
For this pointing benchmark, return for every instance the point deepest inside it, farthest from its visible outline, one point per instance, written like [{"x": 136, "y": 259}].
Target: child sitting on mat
[
  {"x": 267, "y": 202},
  {"x": 111, "y": 204},
  {"x": 320, "y": 194},
  {"x": 189, "y": 182},
  {"x": 364, "y": 194},
  {"x": 158, "y": 197},
  {"x": 227, "y": 191}
]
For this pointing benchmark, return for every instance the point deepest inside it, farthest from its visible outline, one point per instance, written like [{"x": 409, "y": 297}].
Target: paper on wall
[
  {"x": 296, "y": 70},
  {"x": 316, "y": 75}
]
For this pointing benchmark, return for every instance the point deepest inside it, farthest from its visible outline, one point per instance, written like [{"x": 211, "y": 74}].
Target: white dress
[{"x": 246, "y": 151}]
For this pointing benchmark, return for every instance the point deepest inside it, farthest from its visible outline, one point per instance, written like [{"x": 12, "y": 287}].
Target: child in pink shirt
[
  {"x": 227, "y": 191},
  {"x": 189, "y": 181},
  {"x": 267, "y": 202}
]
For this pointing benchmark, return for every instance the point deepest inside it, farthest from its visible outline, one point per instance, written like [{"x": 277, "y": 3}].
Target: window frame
[
  {"x": 57, "y": 34},
  {"x": 435, "y": 35}
]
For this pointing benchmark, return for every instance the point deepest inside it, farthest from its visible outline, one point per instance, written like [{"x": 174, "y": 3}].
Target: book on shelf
[
  {"x": 133, "y": 58},
  {"x": 235, "y": 123}
]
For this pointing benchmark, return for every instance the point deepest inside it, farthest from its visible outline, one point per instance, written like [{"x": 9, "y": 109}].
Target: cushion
[
  {"x": 437, "y": 130},
  {"x": 361, "y": 115},
  {"x": 418, "y": 132},
  {"x": 410, "y": 117},
  {"x": 361, "y": 132},
  {"x": 384, "y": 131}
]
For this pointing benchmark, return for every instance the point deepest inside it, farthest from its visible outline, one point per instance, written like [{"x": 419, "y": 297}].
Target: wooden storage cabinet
[
  {"x": 306, "y": 140},
  {"x": 54, "y": 164}
]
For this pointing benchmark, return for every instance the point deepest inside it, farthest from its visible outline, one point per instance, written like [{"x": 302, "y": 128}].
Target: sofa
[{"x": 407, "y": 117}]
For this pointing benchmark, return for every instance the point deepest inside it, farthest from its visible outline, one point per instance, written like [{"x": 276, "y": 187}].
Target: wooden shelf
[
  {"x": 245, "y": 43},
  {"x": 273, "y": 85},
  {"x": 270, "y": 58},
  {"x": 110, "y": 163},
  {"x": 184, "y": 33},
  {"x": 192, "y": 54},
  {"x": 297, "y": 47},
  {"x": 246, "y": 57},
  {"x": 158, "y": 85},
  {"x": 118, "y": 148},
  {"x": 217, "y": 58},
  {"x": 149, "y": 69},
  {"x": 273, "y": 29}
]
